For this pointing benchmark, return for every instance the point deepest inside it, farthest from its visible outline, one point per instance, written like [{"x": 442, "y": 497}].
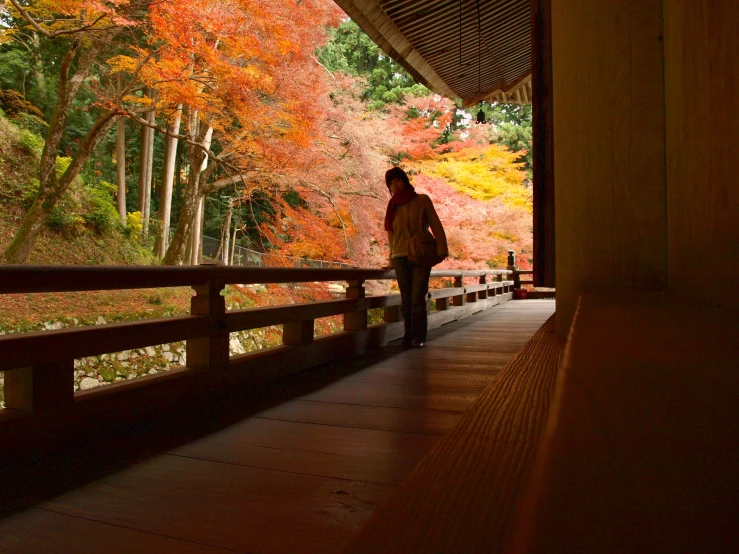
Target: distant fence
[{"x": 251, "y": 258}]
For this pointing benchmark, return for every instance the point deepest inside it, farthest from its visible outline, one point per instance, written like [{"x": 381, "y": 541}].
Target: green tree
[{"x": 351, "y": 51}]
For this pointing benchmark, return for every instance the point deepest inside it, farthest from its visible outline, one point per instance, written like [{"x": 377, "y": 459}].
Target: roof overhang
[{"x": 468, "y": 49}]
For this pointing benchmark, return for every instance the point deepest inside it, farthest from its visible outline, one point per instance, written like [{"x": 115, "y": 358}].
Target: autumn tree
[{"x": 86, "y": 32}]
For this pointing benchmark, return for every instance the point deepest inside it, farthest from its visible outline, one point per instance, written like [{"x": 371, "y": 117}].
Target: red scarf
[{"x": 402, "y": 197}]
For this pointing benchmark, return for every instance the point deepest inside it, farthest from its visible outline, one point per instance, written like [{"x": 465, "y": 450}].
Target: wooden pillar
[
  {"x": 355, "y": 321},
  {"x": 543, "y": 142},
  {"x": 298, "y": 332},
  {"x": 458, "y": 300},
  {"x": 41, "y": 387},
  {"x": 442, "y": 304},
  {"x": 609, "y": 148},
  {"x": 208, "y": 352}
]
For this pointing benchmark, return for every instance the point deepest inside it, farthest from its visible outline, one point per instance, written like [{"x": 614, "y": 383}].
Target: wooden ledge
[
  {"x": 461, "y": 497},
  {"x": 640, "y": 453}
]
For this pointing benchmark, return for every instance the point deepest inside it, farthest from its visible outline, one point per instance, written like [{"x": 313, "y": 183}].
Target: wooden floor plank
[
  {"x": 431, "y": 422},
  {"x": 41, "y": 531},
  {"x": 399, "y": 375},
  {"x": 302, "y": 476},
  {"x": 462, "y": 496},
  {"x": 229, "y": 506},
  {"x": 323, "y": 450},
  {"x": 446, "y": 399}
]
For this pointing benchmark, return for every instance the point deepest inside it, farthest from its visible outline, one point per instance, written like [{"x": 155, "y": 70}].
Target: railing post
[
  {"x": 208, "y": 352},
  {"x": 483, "y": 294},
  {"x": 41, "y": 387},
  {"x": 458, "y": 300},
  {"x": 512, "y": 267},
  {"x": 442, "y": 304},
  {"x": 298, "y": 332},
  {"x": 355, "y": 321},
  {"x": 392, "y": 314}
]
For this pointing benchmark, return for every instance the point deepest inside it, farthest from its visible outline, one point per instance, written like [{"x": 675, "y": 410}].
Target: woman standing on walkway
[{"x": 408, "y": 214}]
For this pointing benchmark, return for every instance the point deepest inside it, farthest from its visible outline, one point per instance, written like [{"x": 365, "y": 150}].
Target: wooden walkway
[{"x": 301, "y": 476}]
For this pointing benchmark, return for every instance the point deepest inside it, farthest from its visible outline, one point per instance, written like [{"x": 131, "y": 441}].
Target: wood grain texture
[
  {"x": 641, "y": 447},
  {"x": 430, "y": 422},
  {"x": 40, "y": 278},
  {"x": 302, "y": 476},
  {"x": 315, "y": 449},
  {"x": 609, "y": 148},
  {"x": 702, "y": 110},
  {"x": 228, "y": 506},
  {"x": 38, "y": 531},
  {"x": 542, "y": 143},
  {"x": 461, "y": 497}
]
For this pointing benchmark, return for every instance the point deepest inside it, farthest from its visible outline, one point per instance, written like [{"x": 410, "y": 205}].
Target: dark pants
[{"x": 413, "y": 281}]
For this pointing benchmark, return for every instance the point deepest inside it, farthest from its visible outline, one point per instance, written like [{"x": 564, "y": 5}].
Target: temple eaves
[{"x": 468, "y": 49}]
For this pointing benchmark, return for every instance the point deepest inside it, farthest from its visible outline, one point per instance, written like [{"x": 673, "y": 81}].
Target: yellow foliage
[
  {"x": 134, "y": 223},
  {"x": 482, "y": 173},
  {"x": 125, "y": 64}
]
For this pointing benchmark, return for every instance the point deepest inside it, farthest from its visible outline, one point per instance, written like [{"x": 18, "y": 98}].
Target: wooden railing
[
  {"x": 517, "y": 282},
  {"x": 39, "y": 366}
]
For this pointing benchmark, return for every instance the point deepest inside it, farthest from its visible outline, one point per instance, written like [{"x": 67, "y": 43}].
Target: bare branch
[
  {"x": 324, "y": 67},
  {"x": 327, "y": 196},
  {"x": 51, "y": 34}
]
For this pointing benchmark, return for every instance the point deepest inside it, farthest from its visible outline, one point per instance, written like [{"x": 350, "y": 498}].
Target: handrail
[
  {"x": 25, "y": 279},
  {"x": 39, "y": 366}
]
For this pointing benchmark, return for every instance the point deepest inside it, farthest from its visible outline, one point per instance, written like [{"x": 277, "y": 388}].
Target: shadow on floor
[{"x": 29, "y": 480}]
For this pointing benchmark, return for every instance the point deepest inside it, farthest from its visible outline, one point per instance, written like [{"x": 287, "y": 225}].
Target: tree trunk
[
  {"x": 30, "y": 229},
  {"x": 149, "y": 175},
  {"x": 196, "y": 233},
  {"x": 165, "y": 196},
  {"x": 143, "y": 166},
  {"x": 51, "y": 190},
  {"x": 233, "y": 247},
  {"x": 51, "y": 186},
  {"x": 145, "y": 171},
  {"x": 38, "y": 68},
  {"x": 121, "y": 169},
  {"x": 176, "y": 253},
  {"x": 227, "y": 232}
]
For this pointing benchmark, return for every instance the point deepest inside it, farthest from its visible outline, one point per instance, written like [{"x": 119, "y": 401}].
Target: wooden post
[
  {"x": 355, "y": 321},
  {"x": 442, "y": 304},
  {"x": 542, "y": 124},
  {"x": 298, "y": 332},
  {"x": 41, "y": 387},
  {"x": 208, "y": 352},
  {"x": 483, "y": 294},
  {"x": 460, "y": 299},
  {"x": 516, "y": 280},
  {"x": 393, "y": 314}
]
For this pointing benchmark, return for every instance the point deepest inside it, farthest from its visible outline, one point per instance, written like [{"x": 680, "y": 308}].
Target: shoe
[
  {"x": 407, "y": 343},
  {"x": 416, "y": 343}
]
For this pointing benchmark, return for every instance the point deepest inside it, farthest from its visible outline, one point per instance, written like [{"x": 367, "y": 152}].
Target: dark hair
[{"x": 396, "y": 173}]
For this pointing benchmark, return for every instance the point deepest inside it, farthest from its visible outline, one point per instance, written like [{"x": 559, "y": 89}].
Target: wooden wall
[
  {"x": 610, "y": 215},
  {"x": 702, "y": 107}
]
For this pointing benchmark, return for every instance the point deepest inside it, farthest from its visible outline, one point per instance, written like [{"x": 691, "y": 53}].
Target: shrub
[
  {"x": 134, "y": 224},
  {"x": 31, "y": 143},
  {"x": 65, "y": 222},
  {"x": 99, "y": 211},
  {"x": 31, "y": 122}
]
